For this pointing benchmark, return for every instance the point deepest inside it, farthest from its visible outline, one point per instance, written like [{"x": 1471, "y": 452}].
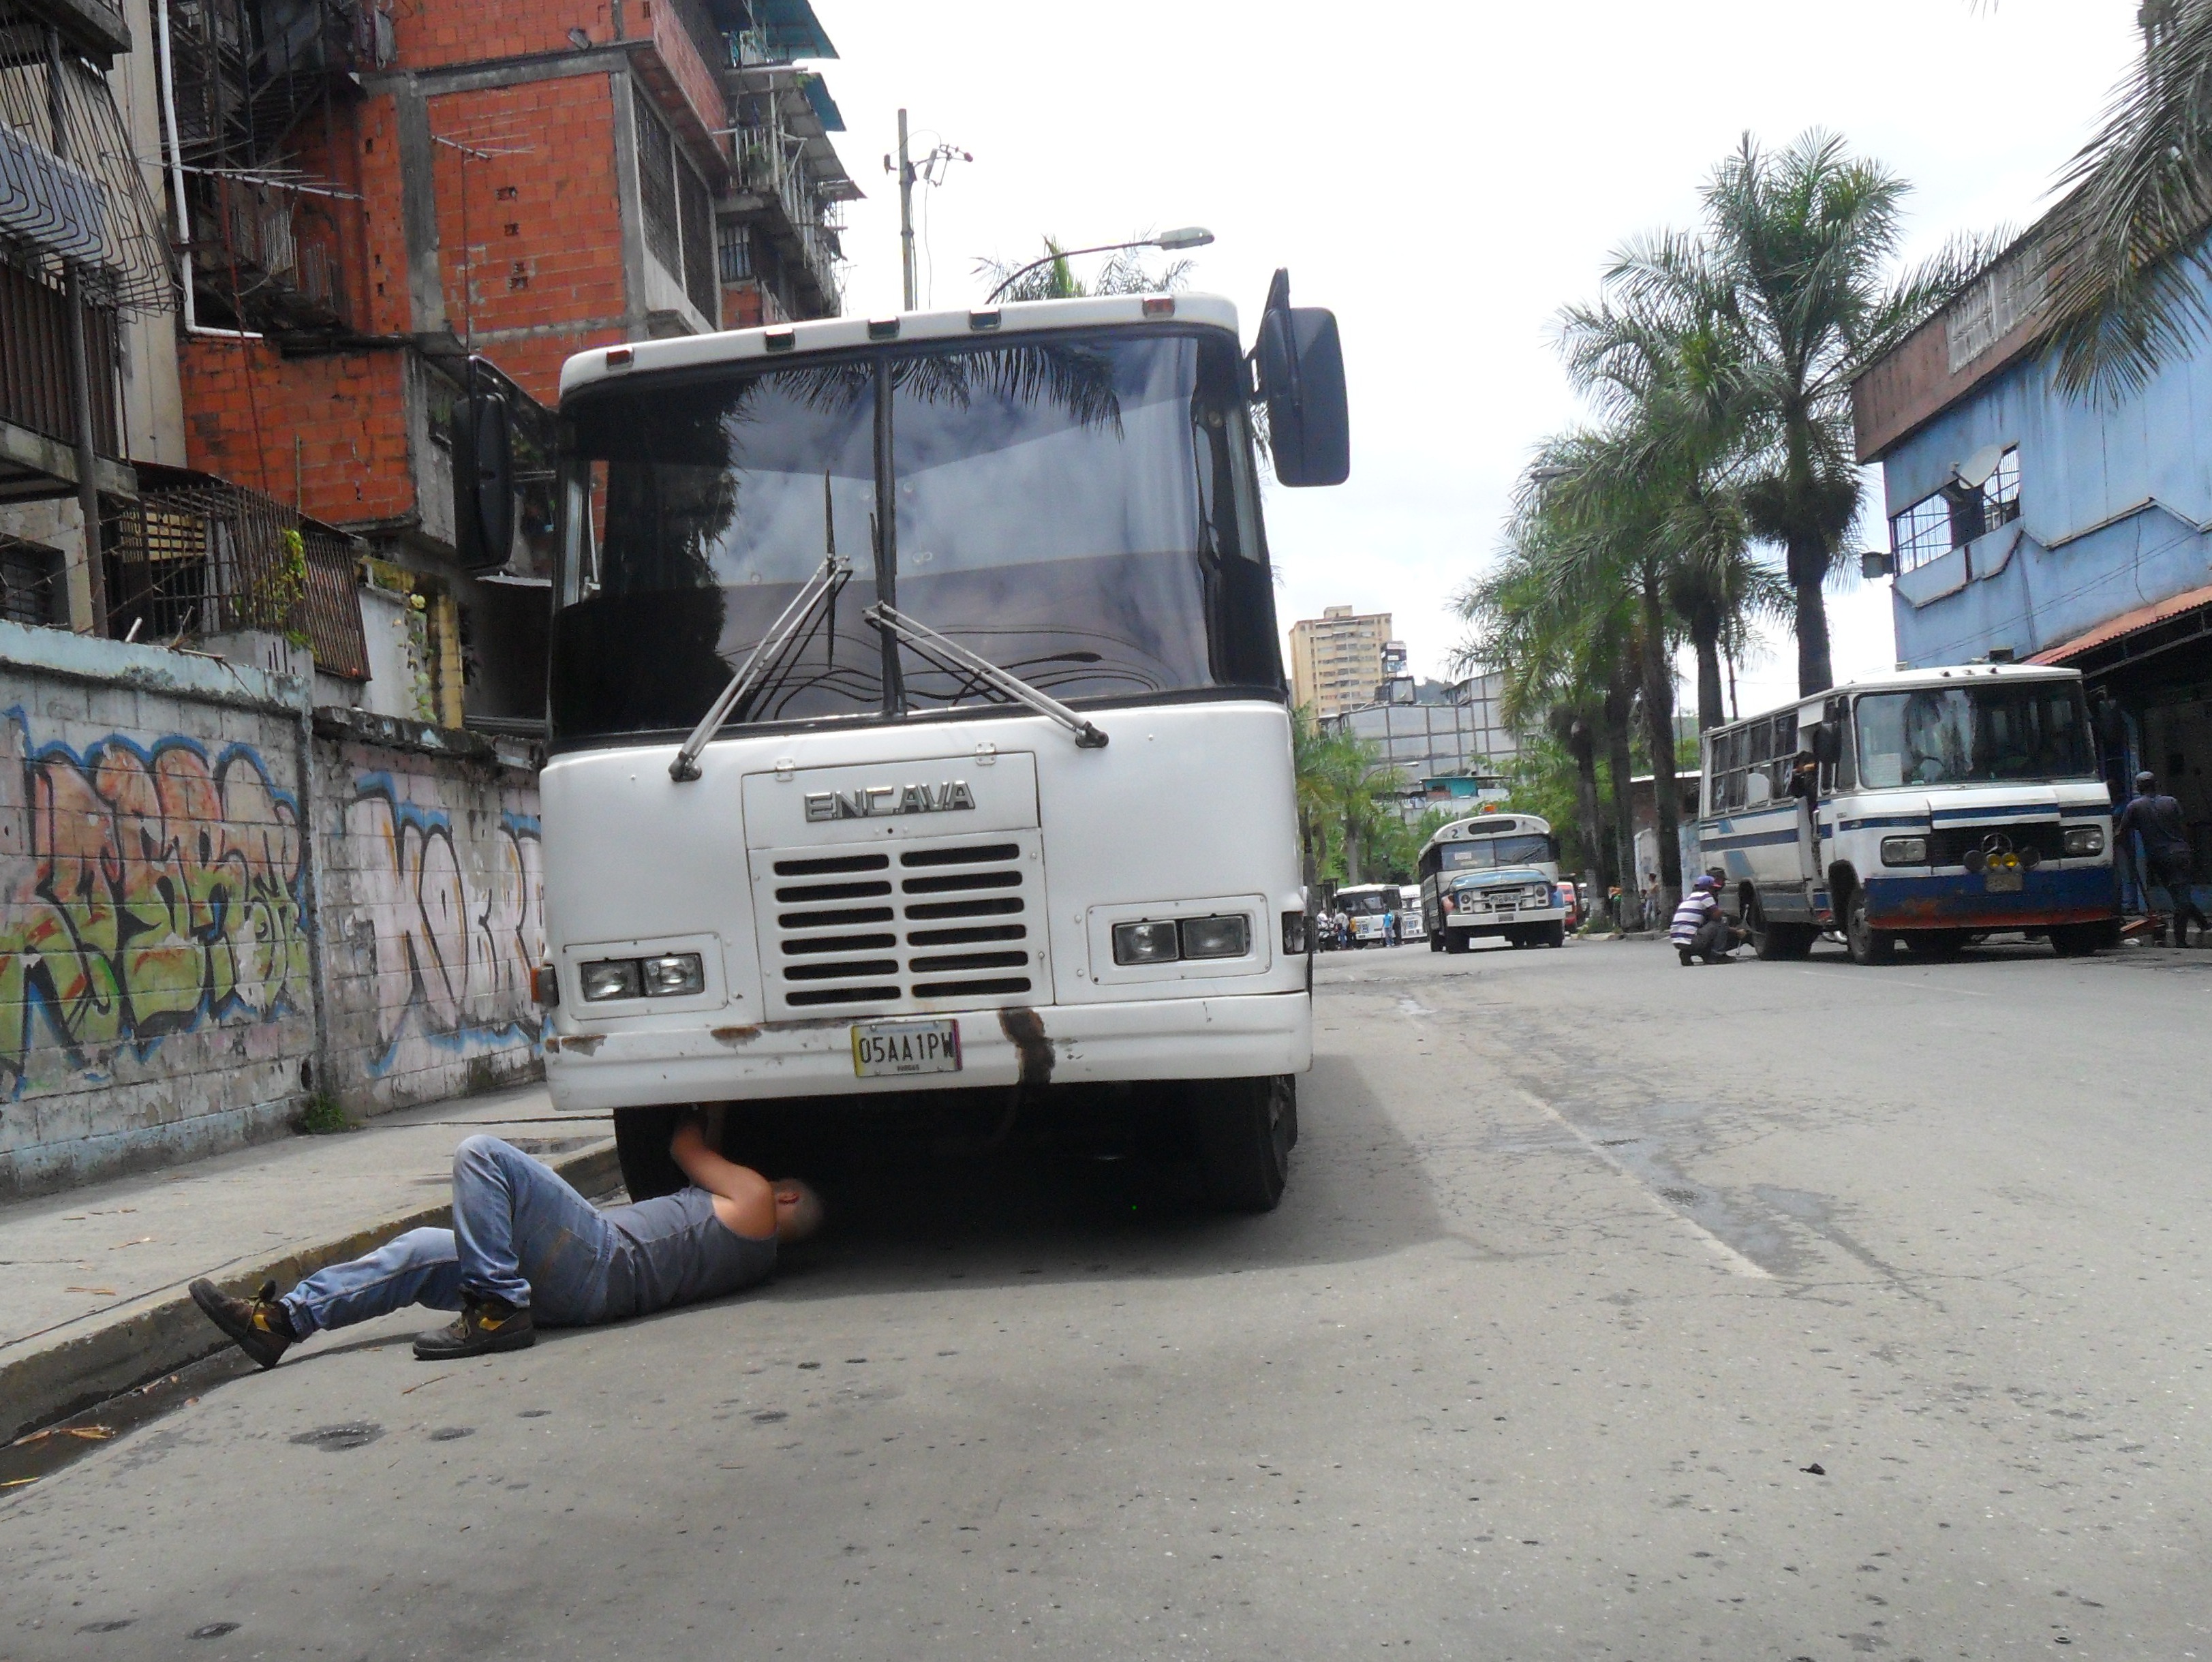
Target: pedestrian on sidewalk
[
  {"x": 1700, "y": 928},
  {"x": 2165, "y": 853},
  {"x": 526, "y": 1250}
]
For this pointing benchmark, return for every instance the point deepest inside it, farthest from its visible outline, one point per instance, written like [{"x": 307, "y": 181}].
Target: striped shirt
[{"x": 1697, "y": 907}]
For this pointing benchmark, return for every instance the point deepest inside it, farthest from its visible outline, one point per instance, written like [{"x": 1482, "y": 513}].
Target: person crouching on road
[
  {"x": 1701, "y": 928},
  {"x": 526, "y": 1250}
]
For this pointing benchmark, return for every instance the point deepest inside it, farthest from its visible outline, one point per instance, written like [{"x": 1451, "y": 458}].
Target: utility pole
[{"x": 905, "y": 214}]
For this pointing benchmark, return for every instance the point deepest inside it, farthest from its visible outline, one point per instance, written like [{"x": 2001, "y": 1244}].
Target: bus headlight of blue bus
[
  {"x": 2084, "y": 840},
  {"x": 1904, "y": 851}
]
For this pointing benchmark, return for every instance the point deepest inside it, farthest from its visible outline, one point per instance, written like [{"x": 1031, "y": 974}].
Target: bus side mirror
[
  {"x": 1827, "y": 743},
  {"x": 1301, "y": 362},
  {"x": 483, "y": 477}
]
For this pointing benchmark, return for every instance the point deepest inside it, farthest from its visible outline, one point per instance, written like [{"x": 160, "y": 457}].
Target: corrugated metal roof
[{"x": 2127, "y": 623}]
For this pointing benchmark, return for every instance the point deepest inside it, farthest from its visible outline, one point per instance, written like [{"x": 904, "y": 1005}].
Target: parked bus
[
  {"x": 1925, "y": 807},
  {"x": 1490, "y": 877},
  {"x": 1410, "y": 926},
  {"x": 918, "y": 727},
  {"x": 1367, "y": 908}
]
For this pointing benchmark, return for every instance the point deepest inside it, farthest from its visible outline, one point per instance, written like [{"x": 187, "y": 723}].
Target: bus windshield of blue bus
[{"x": 1975, "y": 735}]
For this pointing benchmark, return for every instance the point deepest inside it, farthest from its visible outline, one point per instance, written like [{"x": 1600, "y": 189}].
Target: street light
[{"x": 1189, "y": 236}]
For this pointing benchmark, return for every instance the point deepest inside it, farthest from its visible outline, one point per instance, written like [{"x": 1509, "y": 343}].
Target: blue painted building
[{"x": 2030, "y": 525}]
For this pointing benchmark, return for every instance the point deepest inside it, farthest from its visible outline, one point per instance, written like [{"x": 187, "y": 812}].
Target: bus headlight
[
  {"x": 1146, "y": 943},
  {"x": 1904, "y": 851},
  {"x": 1216, "y": 937},
  {"x": 2082, "y": 840},
  {"x": 611, "y": 978},
  {"x": 674, "y": 975}
]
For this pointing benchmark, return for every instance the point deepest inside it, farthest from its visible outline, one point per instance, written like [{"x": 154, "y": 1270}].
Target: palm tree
[
  {"x": 2123, "y": 255},
  {"x": 1790, "y": 273},
  {"x": 1341, "y": 778}
]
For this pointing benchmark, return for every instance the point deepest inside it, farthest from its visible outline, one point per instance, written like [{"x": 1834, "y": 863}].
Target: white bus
[
  {"x": 1367, "y": 908},
  {"x": 1493, "y": 875},
  {"x": 1409, "y": 913},
  {"x": 1925, "y": 807},
  {"x": 917, "y": 724}
]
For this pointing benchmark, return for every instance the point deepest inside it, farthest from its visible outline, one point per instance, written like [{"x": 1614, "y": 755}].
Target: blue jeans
[{"x": 520, "y": 1233}]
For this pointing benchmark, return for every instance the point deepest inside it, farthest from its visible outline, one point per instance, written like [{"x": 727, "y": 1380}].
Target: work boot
[
  {"x": 1687, "y": 957},
  {"x": 485, "y": 1325},
  {"x": 258, "y": 1325}
]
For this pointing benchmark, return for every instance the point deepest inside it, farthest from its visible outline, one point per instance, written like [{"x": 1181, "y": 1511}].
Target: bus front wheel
[
  {"x": 641, "y": 1135},
  {"x": 1556, "y": 934},
  {"x": 1458, "y": 940},
  {"x": 1244, "y": 1129},
  {"x": 1866, "y": 943}
]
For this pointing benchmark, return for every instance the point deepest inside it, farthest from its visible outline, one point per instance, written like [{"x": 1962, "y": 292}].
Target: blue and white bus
[
  {"x": 1926, "y": 808},
  {"x": 1494, "y": 876}
]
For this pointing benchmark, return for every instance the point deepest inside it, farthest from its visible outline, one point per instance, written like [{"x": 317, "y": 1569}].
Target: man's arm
[{"x": 744, "y": 1200}]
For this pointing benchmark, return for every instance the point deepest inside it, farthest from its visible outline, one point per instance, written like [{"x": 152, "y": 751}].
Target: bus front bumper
[
  {"x": 1215, "y": 1038},
  {"x": 1964, "y": 901}
]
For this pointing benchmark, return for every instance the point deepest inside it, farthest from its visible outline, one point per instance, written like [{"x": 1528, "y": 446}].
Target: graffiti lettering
[
  {"x": 149, "y": 889},
  {"x": 457, "y": 922}
]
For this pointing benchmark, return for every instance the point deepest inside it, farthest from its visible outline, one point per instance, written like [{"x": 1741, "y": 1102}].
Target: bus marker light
[
  {"x": 984, "y": 319},
  {"x": 545, "y": 986},
  {"x": 1159, "y": 306},
  {"x": 883, "y": 328},
  {"x": 1146, "y": 943},
  {"x": 780, "y": 340},
  {"x": 620, "y": 357},
  {"x": 1294, "y": 934}
]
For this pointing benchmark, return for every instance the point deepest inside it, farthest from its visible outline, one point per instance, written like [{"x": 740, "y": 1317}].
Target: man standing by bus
[
  {"x": 526, "y": 1249},
  {"x": 2165, "y": 853}
]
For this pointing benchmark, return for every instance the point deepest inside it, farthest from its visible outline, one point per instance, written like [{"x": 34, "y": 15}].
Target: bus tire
[
  {"x": 1244, "y": 1129},
  {"x": 2080, "y": 940},
  {"x": 1555, "y": 934},
  {"x": 1866, "y": 945},
  {"x": 641, "y": 1135},
  {"x": 1935, "y": 946},
  {"x": 1458, "y": 940},
  {"x": 1436, "y": 940}
]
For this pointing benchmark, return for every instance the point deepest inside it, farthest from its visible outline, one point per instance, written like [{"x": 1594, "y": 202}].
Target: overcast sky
[{"x": 1445, "y": 183}]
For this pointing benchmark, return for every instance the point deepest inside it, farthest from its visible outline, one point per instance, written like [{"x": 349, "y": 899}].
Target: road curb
[{"x": 164, "y": 1331}]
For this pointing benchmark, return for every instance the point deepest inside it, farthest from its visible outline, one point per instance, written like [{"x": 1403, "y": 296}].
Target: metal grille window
[
  {"x": 34, "y": 587},
  {"x": 679, "y": 213},
  {"x": 1955, "y": 515},
  {"x": 197, "y": 556},
  {"x": 735, "y": 247}
]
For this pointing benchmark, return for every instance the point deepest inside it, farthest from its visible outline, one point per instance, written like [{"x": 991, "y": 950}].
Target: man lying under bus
[{"x": 527, "y": 1251}]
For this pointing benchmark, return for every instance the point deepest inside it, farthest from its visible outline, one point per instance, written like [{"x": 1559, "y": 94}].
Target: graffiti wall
[
  {"x": 173, "y": 885},
  {"x": 154, "y": 972},
  {"x": 432, "y": 889}
]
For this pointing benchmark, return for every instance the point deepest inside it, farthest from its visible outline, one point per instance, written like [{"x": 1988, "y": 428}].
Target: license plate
[
  {"x": 2005, "y": 880},
  {"x": 883, "y": 1049}
]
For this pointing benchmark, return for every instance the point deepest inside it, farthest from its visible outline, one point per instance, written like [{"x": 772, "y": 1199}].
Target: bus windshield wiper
[
  {"x": 814, "y": 595},
  {"x": 951, "y": 656}
]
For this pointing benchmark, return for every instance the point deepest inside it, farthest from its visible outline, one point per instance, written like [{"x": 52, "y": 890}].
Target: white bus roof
[
  {"x": 984, "y": 323},
  {"x": 1892, "y": 681}
]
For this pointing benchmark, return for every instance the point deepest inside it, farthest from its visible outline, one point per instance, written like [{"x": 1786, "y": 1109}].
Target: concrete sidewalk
[{"x": 92, "y": 1282}]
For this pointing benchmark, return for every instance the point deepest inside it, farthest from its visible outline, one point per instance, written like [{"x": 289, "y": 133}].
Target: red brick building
[{"x": 377, "y": 194}]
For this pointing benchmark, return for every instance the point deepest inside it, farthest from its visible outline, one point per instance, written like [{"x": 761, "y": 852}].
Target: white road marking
[
  {"x": 1732, "y": 1261},
  {"x": 1413, "y": 1006}
]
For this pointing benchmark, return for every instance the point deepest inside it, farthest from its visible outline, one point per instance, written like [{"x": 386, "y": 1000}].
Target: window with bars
[
  {"x": 1954, "y": 516},
  {"x": 678, "y": 212}
]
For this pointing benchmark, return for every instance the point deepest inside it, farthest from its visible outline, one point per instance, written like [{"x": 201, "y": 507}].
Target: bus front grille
[{"x": 920, "y": 925}]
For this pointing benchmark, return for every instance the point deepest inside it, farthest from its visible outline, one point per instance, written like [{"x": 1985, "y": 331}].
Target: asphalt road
[{"x": 1614, "y": 1310}]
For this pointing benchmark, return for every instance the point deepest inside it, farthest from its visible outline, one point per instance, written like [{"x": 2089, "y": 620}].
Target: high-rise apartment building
[{"x": 1336, "y": 659}]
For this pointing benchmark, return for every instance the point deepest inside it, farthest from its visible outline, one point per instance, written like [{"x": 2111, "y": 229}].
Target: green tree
[
  {"x": 1790, "y": 271},
  {"x": 2123, "y": 255},
  {"x": 1341, "y": 782}
]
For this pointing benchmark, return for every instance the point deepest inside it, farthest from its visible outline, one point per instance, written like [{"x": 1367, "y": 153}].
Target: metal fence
[
  {"x": 198, "y": 557},
  {"x": 35, "y": 361}
]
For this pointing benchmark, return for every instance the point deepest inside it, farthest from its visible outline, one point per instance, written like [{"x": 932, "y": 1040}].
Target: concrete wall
[
  {"x": 212, "y": 906},
  {"x": 433, "y": 900}
]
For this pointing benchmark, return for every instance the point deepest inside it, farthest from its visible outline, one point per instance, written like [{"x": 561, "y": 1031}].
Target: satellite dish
[{"x": 1974, "y": 472}]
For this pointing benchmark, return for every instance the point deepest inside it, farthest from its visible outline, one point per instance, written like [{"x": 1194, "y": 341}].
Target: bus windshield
[
  {"x": 1975, "y": 734},
  {"x": 1486, "y": 854},
  {"x": 1079, "y": 509},
  {"x": 1372, "y": 903}
]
